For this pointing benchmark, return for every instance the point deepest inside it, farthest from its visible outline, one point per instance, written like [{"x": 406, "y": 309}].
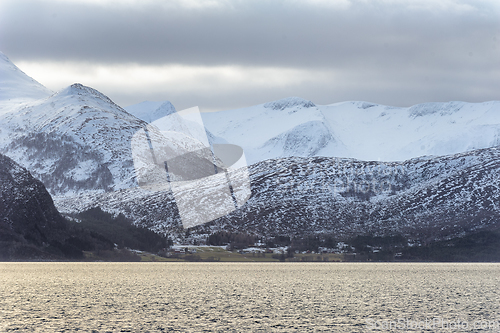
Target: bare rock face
[{"x": 29, "y": 222}]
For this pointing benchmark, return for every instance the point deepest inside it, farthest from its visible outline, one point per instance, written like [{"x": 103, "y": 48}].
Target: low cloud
[{"x": 223, "y": 54}]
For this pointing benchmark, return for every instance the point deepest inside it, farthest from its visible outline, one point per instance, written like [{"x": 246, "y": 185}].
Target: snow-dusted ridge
[
  {"x": 366, "y": 131},
  {"x": 289, "y": 102},
  {"x": 425, "y": 198}
]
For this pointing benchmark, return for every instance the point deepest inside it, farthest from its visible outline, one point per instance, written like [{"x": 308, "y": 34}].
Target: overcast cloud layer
[{"x": 226, "y": 54}]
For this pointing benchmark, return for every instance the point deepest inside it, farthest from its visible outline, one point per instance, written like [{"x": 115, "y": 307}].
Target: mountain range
[
  {"x": 429, "y": 171},
  {"x": 423, "y": 198},
  {"x": 364, "y": 131}
]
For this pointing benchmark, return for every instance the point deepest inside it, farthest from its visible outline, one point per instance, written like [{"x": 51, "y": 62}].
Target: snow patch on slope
[{"x": 426, "y": 109}]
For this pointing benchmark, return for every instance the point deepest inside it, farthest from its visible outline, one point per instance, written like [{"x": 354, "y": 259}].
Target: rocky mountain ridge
[{"x": 422, "y": 198}]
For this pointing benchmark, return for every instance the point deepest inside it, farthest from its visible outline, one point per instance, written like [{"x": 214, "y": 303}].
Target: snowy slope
[
  {"x": 15, "y": 84},
  {"x": 297, "y": 127},
  {"x": 377, "y": 132},
  {"x": 365, "y": 131},
  {"x": 151, "y": 111}
]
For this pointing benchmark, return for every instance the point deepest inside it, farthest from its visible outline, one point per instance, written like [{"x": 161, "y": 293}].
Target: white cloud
[
  {"x": 167, "y": 80},
  {"x": 172, "y": 76}
]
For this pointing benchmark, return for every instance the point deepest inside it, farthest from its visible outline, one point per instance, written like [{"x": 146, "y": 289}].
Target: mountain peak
[
  {"x": 81, "y": 90},
  {"x": 289, "y": 102},
  {"x": 15, "y": 84},
  {"x": 151, "y": 111}
]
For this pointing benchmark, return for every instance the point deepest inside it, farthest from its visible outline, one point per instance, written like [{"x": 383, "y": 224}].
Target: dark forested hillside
[
  {"x": 30, "y": 225},
  {"x": 31, "y": 228}
]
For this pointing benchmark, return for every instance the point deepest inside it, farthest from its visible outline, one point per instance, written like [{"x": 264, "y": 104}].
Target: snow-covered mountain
[
  {"x": 423, "y": 198},
  {"x": 76, "y": 139},
  {"x": 297, "y": 127},
  {"x": 16, "y": 85},
  {"x": 313, "y": 168},
  {"x": 284, "y": 128}
]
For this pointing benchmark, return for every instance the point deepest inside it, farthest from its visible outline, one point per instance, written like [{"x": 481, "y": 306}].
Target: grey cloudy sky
[{"x": 220, "y": 54}]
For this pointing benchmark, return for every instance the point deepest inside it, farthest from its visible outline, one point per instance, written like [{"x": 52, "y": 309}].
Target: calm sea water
[{"x": 249, "y": 297}]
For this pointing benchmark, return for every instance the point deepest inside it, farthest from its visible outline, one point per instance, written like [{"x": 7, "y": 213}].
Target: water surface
[{"x": 247, "y": 297}]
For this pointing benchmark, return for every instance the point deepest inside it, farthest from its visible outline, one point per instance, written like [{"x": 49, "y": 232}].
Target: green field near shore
[{"x": 213, "y": 254}]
